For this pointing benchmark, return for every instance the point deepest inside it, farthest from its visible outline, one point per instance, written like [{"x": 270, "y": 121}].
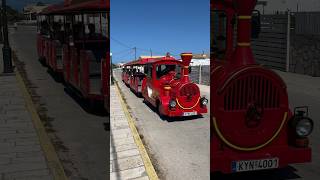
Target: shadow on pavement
[
  {"x": 277, "y": 174},
  {"x": 95, "y": 108},
  {"x": 172, "y": 119}
]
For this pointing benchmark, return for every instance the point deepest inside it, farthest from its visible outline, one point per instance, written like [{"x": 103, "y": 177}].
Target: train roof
[
  {"x": 62, "y": 8},
  {"x": 150, "y": 60},
  {"x": 140, "y": 61},
  {"x": 164, "y": 59}
]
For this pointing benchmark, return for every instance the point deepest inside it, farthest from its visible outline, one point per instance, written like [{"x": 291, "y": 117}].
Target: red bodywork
[
  {"x": 239, "y": 85},
  {"x": 159, "y": 90},
  {"x": 84, "y": 63}
]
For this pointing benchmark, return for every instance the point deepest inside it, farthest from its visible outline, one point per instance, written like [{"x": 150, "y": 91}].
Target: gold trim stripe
[
  {"x": 215, "y": 124},
  {"x": 244, "y": 17},
  {"x": 186, "y": 54},
  {"x": 186, "y": 107},
  {"x": 243, "y": 44}
]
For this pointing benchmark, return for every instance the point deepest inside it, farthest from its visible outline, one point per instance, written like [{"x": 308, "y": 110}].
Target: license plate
[
  {"x": 253, "y": 165},
  {"x": 189, "y": 113}
]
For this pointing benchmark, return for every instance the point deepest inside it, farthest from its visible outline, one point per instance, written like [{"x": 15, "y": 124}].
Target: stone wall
[{"x": 305, "y": 54}]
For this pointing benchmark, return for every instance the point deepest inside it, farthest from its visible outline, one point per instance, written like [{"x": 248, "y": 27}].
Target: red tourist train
[
  {"x": 73, "y": 41},
  {"x": 164, "y": 83},
  {"x": 252, "y": 126}
]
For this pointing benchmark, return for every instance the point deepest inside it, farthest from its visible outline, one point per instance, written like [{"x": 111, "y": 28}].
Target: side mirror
[
  {"x": 190, "y": 69},
  {"x": 256, "y": 24}
]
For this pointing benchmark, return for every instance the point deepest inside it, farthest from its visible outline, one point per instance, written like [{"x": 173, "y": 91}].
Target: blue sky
[{"x": 173, "y": 26}]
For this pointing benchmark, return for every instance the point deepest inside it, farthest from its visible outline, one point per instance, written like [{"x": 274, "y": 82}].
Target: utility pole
[
  {"x": 135, "y": 53},
  {"x": 151, "y": 52},
  {"x": 1, "y": 35},
  {"x": 6, "y": 50}
]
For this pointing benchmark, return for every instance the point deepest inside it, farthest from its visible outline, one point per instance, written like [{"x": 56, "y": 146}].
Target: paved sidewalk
[
  {"x": 21, "y": 156},
  {"x": 125, "y": 159}
]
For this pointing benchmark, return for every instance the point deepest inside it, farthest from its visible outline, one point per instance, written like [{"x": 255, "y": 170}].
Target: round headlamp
[
  {"x": 304, "y": 127},
  {"x": 172, "y": 103},
  {"x": 204, "y": 101}
]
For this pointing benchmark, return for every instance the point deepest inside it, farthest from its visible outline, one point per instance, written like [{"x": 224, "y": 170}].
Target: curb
[
  {"x": 143, "y": 152},
  {"x": 45, "y": 142}
]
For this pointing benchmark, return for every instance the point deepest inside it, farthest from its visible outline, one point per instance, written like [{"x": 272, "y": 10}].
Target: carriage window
[
  {"x": 44, "y": 25},
  {"x": 164, "y": 69},
  {"x": 95, "y": 25},
  {"x": 219, "y": 31},
  {"x": 146, "y": 70}
]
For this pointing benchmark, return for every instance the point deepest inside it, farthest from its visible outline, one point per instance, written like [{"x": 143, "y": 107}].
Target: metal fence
[
  {"x": 290, "y": 42},
  {"x": 307, "y": 23},
  {"x": 270, "y": 49},
  {"x": 200, "y": 74}
]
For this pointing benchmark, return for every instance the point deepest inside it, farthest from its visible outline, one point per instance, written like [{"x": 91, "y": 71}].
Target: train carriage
[
  {"x": 138, "y": 75},
  {"x": 133, "y": 74},
  {"x": 78, "y": 46},
  {"x": 126, "y": 73},
  {"x": 252, "y": 126}
]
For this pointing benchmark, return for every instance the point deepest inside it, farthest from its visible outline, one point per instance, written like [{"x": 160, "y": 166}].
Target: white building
[
  {"x": 200, "y": 60},
  {"x": 274, "y": 6},
  {"x": 30, "y": 11}
]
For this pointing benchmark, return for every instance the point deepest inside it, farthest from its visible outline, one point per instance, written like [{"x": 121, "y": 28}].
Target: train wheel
[{"x": 162, "y": 116}]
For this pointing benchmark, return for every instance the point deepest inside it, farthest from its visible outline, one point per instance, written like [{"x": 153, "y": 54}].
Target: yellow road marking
[
  {"x": 143, "y": 152},
  {"x": 45, "y": 142}
]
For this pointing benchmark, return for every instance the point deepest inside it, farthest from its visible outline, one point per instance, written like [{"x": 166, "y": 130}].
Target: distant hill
[{"x": 19, "y": 4}]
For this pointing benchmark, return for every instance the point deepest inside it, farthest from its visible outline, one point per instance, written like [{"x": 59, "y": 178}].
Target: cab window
[
  {"x": 164, "y": 69},
  {"x": 219, "y": 33}
]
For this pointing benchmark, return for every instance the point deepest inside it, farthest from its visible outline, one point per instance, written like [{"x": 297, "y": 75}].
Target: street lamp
[
  {"x": 111, "y": 67},
  {"x": 1, "y": 35},
  {"x": 6, "y": 50}
]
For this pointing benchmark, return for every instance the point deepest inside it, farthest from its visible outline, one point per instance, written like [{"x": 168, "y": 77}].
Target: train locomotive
[
  {"x": 165, "y": 85},
  {"x": 252, "y": 126}
]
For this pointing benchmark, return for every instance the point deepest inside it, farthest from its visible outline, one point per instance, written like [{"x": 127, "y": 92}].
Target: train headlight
[
  {"x": 172, "y": 103},
  {"x": 304, "y": 127},
  {"x": 204, "y": 101}
]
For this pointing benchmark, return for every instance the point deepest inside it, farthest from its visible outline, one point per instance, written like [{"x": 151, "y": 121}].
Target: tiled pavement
[
  {"x": 21, "y": 156},
  {"x": 125, "y": 159}
]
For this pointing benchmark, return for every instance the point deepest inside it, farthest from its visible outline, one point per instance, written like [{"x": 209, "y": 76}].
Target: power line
[
  {"x": 138, "y": 48},
  {"x": 123, "y": 51},
  {"x": 121, "y": 43},
  {"x": 129, "y": 53}
]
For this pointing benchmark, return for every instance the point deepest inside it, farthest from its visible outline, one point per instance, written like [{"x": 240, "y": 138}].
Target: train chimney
[
  {"x": 243, "y": 54},
  {"x": 186, "y": 59}
]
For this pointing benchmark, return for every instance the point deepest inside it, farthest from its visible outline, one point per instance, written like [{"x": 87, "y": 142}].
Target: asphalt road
[
  {"x": 79, "y": 137},
  {"x": 179, "y": 149}
]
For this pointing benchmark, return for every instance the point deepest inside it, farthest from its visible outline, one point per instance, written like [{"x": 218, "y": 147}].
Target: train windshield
[{"x": 165, "y": 69}]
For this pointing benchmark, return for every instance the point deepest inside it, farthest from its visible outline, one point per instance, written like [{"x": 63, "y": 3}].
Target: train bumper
[
  {"x": 177, "y": 112},
  {"x": 223, "y": 161}
]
